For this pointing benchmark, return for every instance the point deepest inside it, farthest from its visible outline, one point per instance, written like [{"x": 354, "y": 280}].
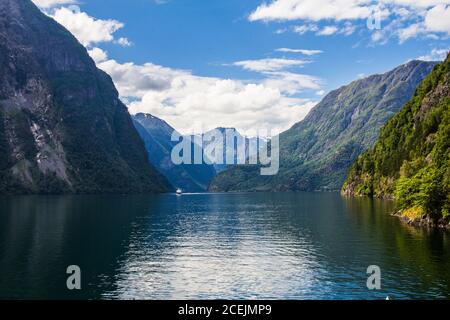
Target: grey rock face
[
  {"x": 62, "y": 127},
  {"x": 157, "y": 134},
  {"x": 317, "y": 152}
]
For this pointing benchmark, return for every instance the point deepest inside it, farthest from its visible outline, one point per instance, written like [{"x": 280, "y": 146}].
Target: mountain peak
[
  {"x": 316, "y": 153},
  {"x": 141, "y": 115},
  {"x": 410, "y": 160},
  {"x": 63, "y": 128}
]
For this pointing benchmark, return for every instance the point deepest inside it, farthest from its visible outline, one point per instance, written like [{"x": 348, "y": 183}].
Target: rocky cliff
[
  {"x": 157, "y": 134},
  {"x": 63, "y": 128},
  {"x": 411, "y": 160},
  {"x": 316, "y": 153}
]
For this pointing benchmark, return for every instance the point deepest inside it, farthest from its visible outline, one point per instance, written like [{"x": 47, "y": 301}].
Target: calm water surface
[{"x": 209, "y": 246}]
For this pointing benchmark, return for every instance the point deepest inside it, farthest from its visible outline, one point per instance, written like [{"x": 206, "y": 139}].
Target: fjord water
[{"x": 209, "y": 246}]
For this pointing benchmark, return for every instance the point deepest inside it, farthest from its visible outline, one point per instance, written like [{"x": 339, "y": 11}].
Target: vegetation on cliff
[
  {"x": 157, "y": 137},
  {"x": 411, "y": 160},
  {"x": 316, "y": 153},
  {"x": 63, "y": 128}
]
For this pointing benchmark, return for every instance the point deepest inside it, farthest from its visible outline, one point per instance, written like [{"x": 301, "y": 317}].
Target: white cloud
[
  {"x": 378, "y": 37},
  {"x": 404, "y": 19},
  {"x": 277, "y": 76},
  {"x": 435, "y": 55},
  {"x": 338, "y": 10},
  {"x": 314, "y": 10},
  {"x": 416, "y": 3},
  {"x": 320, "y": 92},
  {"x": 98, "y": 55},
  {"x": 438, "y": 19},
  {"x": 188, "y": 101},
  {"x": 410, "y": 32},
  {"x": 85, "y": 28},
  {"x": 291, "y": 83},
  {"x": 124, "y": 42},
  {"x": 268, "y": 65},
  {"x": 327, "y": 31},
  {"x": 305, "y": 52},
  {"x": 52, "y": 3},
  {"x": 348, "y": 29},
  {"x": 306, "y": 28}
]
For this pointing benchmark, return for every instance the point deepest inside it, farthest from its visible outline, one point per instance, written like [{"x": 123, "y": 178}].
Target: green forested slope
[
  {"x": 63, "y": 128},
  {"x": 316, "y": 153},
  {"x": 411, "y": 160},
  {"x": 157, "y": 134}
]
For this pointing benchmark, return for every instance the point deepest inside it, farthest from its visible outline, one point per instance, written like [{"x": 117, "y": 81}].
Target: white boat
[{"x": 179, "y": 191}]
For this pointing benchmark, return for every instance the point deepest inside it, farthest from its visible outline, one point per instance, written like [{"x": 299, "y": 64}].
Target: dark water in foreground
[{"x": 268, "y": 246}]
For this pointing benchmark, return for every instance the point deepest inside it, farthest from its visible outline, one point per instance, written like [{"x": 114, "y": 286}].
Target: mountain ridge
[
  {"x": 63, "y": 128},
  {"x": 411, "y": 160},
  {"x": 316, "y": 153},
  {"x": 156, "y": 134}
]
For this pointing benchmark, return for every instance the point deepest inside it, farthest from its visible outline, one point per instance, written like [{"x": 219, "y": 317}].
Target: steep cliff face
[
  {"x": 411, "y": 160},
  {"x": 157, "y": 134},
  {"x": 316, "y": 153},
  {"x": 62, "y": 127}
]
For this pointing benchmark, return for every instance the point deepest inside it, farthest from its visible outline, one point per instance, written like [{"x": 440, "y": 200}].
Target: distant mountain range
[
  {"x": 248, "y": 145},
  {"x": 411, "y": 160},
  {"x": 63, "y": 128},
  {"x": 156, "y": 134},
  {"x": 316, "y": 153}
]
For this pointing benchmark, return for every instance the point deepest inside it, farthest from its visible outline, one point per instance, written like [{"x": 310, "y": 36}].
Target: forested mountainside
[
  {"x": 316, "y": 153},
  {"x": 63, "y": 128},
  {"x": 411, "y": 160},
  {"x": 157, "y": 135}
]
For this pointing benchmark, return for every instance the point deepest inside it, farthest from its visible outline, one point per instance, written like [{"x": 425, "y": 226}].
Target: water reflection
[
  {"x": 292, "y": 246},
  {"x": 416, "y": 260},
  {"x": 205, "y": 247}
]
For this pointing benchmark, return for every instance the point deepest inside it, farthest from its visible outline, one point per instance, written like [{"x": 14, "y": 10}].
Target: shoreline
[{"x": 424, "y": 222}]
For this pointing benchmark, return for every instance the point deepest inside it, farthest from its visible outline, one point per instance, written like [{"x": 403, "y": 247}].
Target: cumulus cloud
[
  {"x": 291, "y": 83},
  {"x": 404, "y": 19},
  {"x": 86, "y": 29},
  {"x": 315, "y": 10},
  {"x": 98, "y": 55},
  {"x": 409, "y": 32},
  {"x": 438, "y": 19},
  {"x": 416, "y": 3},
  {"x": 318, "y": 10},
  {"x": 188, "y": 101},
  {"x": 320, "y": 92},
  {"x": 45, "y": 4},
  {"x": 124, "y": 42},
  {"x": 435, "y": 55}
]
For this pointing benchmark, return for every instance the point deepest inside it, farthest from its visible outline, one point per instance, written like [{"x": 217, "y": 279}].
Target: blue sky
[{"x": 209, "y": 63}]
